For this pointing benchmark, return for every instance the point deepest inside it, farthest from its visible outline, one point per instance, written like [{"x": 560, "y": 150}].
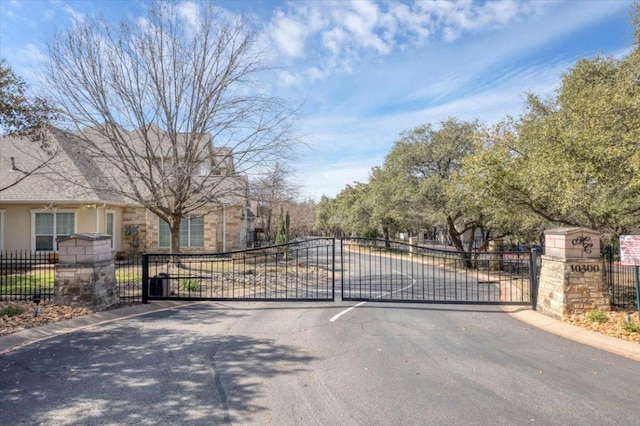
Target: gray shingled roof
[
  {"x": 71, "y": 177},
  {"x": 53, "y": 181}
]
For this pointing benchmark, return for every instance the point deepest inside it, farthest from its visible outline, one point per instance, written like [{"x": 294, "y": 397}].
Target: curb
[{"x": 591, "y": 338}]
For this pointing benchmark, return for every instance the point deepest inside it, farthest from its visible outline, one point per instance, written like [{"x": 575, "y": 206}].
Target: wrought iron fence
[
  {"x": 25, "y": 275},
  {"x": 382, "y": 270},
  {"x": 129, "y": 278},
  {"x": 620, "y": 279},
  {"x": 301, "y": 270}
]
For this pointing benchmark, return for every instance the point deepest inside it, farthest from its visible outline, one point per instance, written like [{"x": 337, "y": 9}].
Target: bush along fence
[{"x": 25, "y": 275}]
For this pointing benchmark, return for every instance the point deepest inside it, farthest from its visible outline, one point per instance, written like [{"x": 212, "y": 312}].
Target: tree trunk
[
  {"x": 385, "y": 232},
  {"x": 175, "y": 234},
  {"x": 457, "y": 242}
]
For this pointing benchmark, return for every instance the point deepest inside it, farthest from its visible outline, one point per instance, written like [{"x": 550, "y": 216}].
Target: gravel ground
[{"x": 51, "y": 313}]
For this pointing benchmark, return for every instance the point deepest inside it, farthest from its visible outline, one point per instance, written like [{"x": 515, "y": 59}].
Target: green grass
[
  {"x": 26, "y": 281},
  {"x": 11, "y": 311},
  {"x": 128, "y": 275},
  {"x": 631, "y": 326},
  {"x": 597, "y": 316},
  {"x": 190, "y": 285}
]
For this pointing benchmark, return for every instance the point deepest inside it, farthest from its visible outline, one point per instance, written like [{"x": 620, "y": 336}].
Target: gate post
[
  {"x": 85, "y": 274},
  {"x": 572, "y": 277},
  {"x": 145, "y": 278}
]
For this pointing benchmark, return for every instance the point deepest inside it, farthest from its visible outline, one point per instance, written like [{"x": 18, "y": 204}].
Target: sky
[{"x": 365, "y": 71}]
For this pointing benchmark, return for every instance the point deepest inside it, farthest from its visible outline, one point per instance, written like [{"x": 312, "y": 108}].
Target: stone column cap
[
  {"x": 569, "y": 230},
  {"x": 87, "y": 236}
]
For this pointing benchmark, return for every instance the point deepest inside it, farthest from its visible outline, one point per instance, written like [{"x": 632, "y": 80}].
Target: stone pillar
[
  {"x": 85, "y": 274},
  {"x": 572, "y": 277}
]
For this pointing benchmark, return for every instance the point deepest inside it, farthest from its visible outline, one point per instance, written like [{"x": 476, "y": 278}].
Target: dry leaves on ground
[
  {"x": 613, "y": 326},
  {"x": 50, "y": 312}
]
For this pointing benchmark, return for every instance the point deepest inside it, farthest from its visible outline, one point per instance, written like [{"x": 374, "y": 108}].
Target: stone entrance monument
[{"x": 572, "y": 278}]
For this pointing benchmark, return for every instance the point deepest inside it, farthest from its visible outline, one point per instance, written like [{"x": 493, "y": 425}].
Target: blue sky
[{"x": 364, "y": 71}]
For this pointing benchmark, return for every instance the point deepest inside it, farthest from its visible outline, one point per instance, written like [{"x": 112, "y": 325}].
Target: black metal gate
[
  {"x": 301, "y": 271},
  {"x": 385, "y": 271},
  {"x": 368, "y": 270}
]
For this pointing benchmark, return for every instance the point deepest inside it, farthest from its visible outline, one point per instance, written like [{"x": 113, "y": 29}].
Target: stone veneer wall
[
  {"x": 85, "y": 274},
  {"x": 134, "y": 217},
  {"x": 572, "y": 277},
  {"x": 234, "y": 222}
]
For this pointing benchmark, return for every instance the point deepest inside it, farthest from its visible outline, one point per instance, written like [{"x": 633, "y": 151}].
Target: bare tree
[
  {"x": 273, "y": 190},
  {"x": 25, "y": 120},
  {"x": 170, "y": 106}
]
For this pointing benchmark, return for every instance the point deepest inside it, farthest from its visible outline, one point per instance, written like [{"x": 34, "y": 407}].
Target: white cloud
[
  {"x": 330, "y": 180},
  {"x": 289, "y": 34},
  {"x": 33, "y": 54},
  {"x": 75, "y": 15},
  {"x": 189, "y": 11},
  {"x": 286, "y": 79}
]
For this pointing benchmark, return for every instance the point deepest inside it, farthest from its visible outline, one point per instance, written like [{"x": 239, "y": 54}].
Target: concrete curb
[
  {"x": 577, "y": 334},
  {"x": 27, "y": 337}
]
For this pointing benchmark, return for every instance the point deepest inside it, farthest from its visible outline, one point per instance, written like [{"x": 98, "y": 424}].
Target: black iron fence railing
[
  {"x": 382, "y": 270},
  {"x": 25, "y": 275},
  {"x": 129, "y": 279},
  {"x": 620, "y": 278}
]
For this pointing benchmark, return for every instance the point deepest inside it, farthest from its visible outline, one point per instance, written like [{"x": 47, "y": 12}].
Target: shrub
[
  {"x": 11, "y": 311},
  {"x": 597, "y": 316},
  {"x": 631, "y": 326},
  {"x": 190, "y": 285}
]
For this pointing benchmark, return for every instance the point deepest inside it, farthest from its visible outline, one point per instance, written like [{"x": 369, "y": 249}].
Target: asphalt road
[{"x": 317, "y": 364}]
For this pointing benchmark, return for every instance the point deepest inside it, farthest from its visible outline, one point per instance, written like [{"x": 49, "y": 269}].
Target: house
[{"x": 46, "y": 194}]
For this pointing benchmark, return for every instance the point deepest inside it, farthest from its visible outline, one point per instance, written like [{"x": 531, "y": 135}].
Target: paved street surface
[{"x": 317, "y": 364}]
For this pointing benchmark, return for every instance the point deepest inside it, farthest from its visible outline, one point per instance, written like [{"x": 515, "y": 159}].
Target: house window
[
  {"x": 1, "y": 229},
  {"x": 205, "y": 168},
  {"x": 108, "y": 226},
  {"x": 191, "y": 232},
  {"x": 48, "y": 226}
]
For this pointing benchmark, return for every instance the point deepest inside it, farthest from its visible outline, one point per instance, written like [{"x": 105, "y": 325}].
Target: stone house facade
[{"x": 45, "y": 195}]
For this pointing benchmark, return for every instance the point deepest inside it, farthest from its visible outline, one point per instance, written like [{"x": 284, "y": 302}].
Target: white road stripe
[
  {"x": 413, "y": 281},
  {"x": 335, "y": 317}
]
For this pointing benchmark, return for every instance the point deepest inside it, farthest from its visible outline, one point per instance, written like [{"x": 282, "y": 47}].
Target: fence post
[
  {"x": 145, "y": 278},
  {"x": 341, "y": 269},
  {"x": 333, "y": 275},
  {"x": 533, "y": 277}
]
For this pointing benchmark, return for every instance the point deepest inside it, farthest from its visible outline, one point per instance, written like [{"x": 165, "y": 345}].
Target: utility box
[{"x": 159, "y": 285}]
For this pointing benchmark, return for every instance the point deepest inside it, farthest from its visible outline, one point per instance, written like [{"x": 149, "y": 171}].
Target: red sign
[{"x": 630, "y": 249}]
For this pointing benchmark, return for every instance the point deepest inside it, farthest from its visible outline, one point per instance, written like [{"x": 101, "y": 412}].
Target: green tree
[
  {"x": 21, "y": 114},
  {"x": 27, "y": 117},
  {"x": 325, "y": 217},
  {"x": 354, "y": 210},
  {"x": 422, "y": 167},
  {"x": 574, "y": 158}
]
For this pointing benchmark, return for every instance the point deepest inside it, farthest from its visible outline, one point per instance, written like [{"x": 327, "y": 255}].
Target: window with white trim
[
  {"x": 191, "y": 232},
  {"x": 2, "y": 229},
  {"x": 108, "y": 226},
  {"x": 48, "y": 226},
  {"x": 205, "y": 168}
]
